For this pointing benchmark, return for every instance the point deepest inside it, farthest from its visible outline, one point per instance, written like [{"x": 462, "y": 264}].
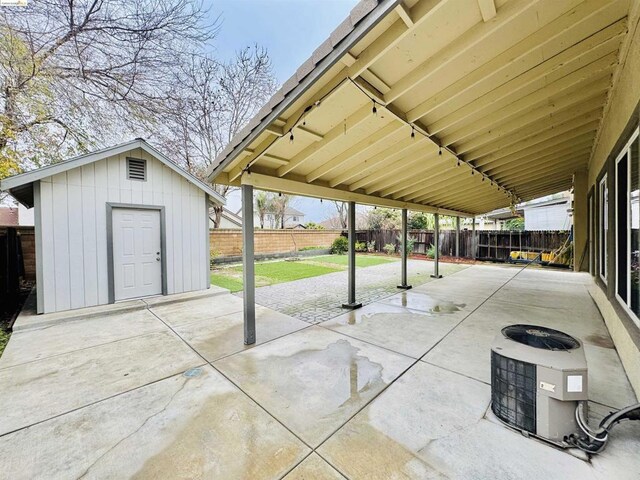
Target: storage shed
[{"x": 120, "y": 223}]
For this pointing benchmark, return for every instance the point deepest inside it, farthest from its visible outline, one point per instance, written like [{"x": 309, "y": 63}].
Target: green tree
[
  {"x": 77, "y": 74},
  {"x": 421, "y": 221},
  {"x": 384, "y": 219},
  {"x": 313, "y": 226},
  {"x": 514, "y": 224}
]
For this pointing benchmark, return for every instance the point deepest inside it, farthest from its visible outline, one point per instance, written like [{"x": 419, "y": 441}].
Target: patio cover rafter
[{"x": 513, "y": 90}]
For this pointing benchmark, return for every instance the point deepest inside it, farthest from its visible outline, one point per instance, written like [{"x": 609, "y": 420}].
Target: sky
[{"x": 290, "y": 30}]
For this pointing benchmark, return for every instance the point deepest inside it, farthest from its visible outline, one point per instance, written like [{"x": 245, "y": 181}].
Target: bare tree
[
  {"x": 78, "y": 73},
  {"x": 211, "y": 103},
  {"x": 263, "y": 206},
  {"x": 280, "y": 203},
  {"x": 341, "y": 207}
]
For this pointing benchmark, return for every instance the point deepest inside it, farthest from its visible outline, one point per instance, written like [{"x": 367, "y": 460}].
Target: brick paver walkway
[{"x": 317, "y": 299}]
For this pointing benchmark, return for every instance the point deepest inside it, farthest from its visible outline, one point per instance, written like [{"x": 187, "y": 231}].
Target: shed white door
[{"x": 137, "y": 262}]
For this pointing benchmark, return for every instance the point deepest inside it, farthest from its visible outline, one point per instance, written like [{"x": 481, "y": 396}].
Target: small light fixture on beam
[
  {"x": 413, "y": 131},
  {"x": 374, "y": 109},
  {"x": 440, "y": 150},
  {"x": 290, "y": 136}
]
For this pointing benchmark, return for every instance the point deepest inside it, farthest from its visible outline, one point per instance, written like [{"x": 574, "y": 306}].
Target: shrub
[
  {"x": 371, "y": 246},
  {"x": 421, "y": 221},
  {"x": 411, "y": 241},
  {"x": 316, "y": 247},
  {"x": 313, "y": 226},
  {"x": 390, "y": 248},
  {"x": 431, "y": 252},
  {"x": 339, "y": 246},
  {"x": 361, "y": 247}
]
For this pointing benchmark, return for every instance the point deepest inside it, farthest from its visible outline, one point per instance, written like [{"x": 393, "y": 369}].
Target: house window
[
  {"x": 295, "y": 219},
  {"x": 603, "y": 227},
  {"x": 628, "y": 226}
]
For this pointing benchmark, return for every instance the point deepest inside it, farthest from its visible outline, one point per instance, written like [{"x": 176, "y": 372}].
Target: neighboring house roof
[
  {"x": 21, "y": 186},
  {"x": 231, "y": 217},
  {"x": 8, "y": 217},
  {"x": 506, "y": 213},
  {"x": 360, "y": 21},
  {"x": 293, "y": 212}
]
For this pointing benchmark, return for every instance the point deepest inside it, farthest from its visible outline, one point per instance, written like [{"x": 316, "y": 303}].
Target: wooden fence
[
  {"x": 490, "y": 245},
  {"x": 228, "y": 242},
  {"x": 11, "y": 267}
]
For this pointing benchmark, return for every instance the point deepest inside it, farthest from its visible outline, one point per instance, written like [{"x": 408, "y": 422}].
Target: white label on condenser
[
  {"x": 574, "y": 383},
  {"x": 549, "y": 387}
]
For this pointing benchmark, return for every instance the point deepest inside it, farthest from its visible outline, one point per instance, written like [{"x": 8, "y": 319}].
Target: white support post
[
  {"x": 248, "y": 266},
  {"x": 404, "y": 284},
  {"x": 436, "y": 243},
  {"x": 351, "y": 229}
]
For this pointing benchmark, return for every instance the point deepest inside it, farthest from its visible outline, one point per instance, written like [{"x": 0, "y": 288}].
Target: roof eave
[
  {"x": 363, "y": 27},
  {"x": 14, "y": 183}
]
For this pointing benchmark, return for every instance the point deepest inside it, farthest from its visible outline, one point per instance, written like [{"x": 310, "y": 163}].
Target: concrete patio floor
[{"x": 398, "y": 389}]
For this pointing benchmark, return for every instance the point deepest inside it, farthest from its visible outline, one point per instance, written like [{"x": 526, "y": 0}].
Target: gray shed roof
[{"x": 21, "y": 186}]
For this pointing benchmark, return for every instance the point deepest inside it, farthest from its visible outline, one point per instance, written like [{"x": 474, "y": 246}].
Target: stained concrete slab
[
  {"x": 218, "y": 337},
  {"x": 467, "y": 349},
  {"x": 314, "y": 468},
  {"x": 195, "y": 425},
  {"x": 483, "y": 281},
  {"x": 429, "y": 424},
  {"x": 452, "y": 304},
  {"x": 182, "y": 313},
  {"x": 57, "y": 339},
  {"x": 35, "y": 391},
  {"x": 410, "y": 332},
  {"x": 29, "y": 319},
  {"x": 212, "y": 291},
  {"x": 556, "y": 295},
  {"x": 620, "y": 459},
  {"x": 608, "y": 383},
  {"x": 313, "y": 380}
]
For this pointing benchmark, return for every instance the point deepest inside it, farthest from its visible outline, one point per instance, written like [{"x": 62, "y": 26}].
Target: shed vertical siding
[{"x": 74, "y": 229}]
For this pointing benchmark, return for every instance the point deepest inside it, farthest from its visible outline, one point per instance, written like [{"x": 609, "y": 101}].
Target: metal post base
[
  {"x": 351, "y": 306},
  {"x": 405, "y": 287},
  {"x": 435, "y": 276}
]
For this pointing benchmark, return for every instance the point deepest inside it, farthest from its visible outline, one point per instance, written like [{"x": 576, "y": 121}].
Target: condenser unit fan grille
[
  {"x": 513, "y": 392},
  {"x": 540, "y": 337}
]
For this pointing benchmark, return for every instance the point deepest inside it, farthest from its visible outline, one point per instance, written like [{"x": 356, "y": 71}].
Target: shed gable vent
[{"x": 136, "y": 169}]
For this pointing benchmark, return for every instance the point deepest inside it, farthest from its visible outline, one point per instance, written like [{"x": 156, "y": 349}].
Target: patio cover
[{"x": 478, "y": 105}]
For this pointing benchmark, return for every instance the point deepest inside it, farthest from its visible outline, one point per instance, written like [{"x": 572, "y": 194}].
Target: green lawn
[
  {"x": 288, "y": 271},
  {"x": 4, "y": 338},
  {"x": 361, "y": 260},
  {"x": 228, "y": 282},
  {"x": 270, "y": 273}
]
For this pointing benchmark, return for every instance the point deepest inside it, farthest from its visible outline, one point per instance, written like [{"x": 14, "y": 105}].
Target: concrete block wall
[{"x": 229, "y": 242}]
